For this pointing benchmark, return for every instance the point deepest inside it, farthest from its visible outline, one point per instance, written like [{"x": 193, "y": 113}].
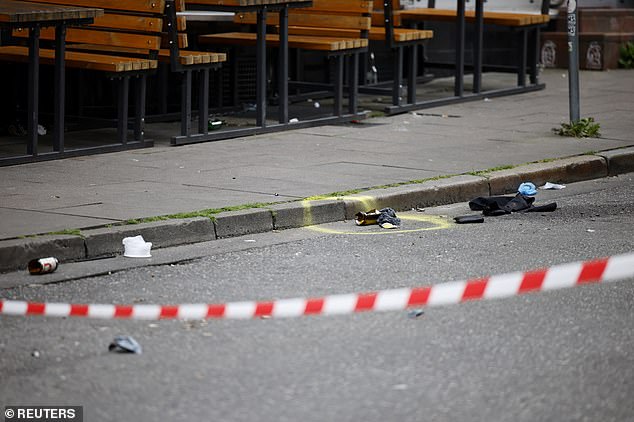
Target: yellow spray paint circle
[{"x": 433, "y": 222}]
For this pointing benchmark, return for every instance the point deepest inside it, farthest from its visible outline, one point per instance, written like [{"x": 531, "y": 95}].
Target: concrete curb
[
  {"x": 240, "y": 223},
  {"x": 619, "y": 161},
  {"x": 568, "y": 170},
  {"x": 306, "y": 213},
  {"x": 16, "y": 253},
  {"x": 107, "y": 241},
  {"x": 103, "y": 242},
  {"x": 426, "y": 194}
]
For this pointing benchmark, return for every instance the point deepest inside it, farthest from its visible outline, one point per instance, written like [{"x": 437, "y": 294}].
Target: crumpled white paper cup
[{"x": 136, "y": 247}]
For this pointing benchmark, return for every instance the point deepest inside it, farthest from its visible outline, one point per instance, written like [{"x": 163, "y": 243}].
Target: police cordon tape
[{"x": 603, "y": 270}]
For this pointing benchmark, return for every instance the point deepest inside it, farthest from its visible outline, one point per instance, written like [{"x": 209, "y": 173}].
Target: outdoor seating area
[{"x": 96, "y": 73}]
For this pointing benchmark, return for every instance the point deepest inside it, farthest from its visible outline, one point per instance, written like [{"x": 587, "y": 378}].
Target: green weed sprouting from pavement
[
  {"x": 584, "y": 128},
  {"x": 627, "y": 55},
  {"x": 66, "y": 232},
  {"x": 208, "y": 213},
  {"x": 339, "y": 194},
  {"x": 343, "y": 194},
  {"x": 491, "y": 170}
]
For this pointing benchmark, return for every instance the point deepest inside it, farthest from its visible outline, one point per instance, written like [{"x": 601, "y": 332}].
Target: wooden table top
[
  {"x": 243, "y": 3},
  {"x": 15, "y": 12}
]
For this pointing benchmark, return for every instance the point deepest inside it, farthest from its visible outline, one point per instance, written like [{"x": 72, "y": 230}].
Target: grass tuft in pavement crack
[
  {"x": 67, "y": 232},
  {"x": 626, "y": 53},
  {"x": 584, "y": 128},
  {"x": 491, "y": 170},
  {"x": 208, "y": 213},
  {"x": 343, "y": 194}
]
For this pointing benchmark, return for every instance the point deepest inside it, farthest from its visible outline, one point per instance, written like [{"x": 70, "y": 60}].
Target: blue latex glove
[{"x": 527, "y": 189}]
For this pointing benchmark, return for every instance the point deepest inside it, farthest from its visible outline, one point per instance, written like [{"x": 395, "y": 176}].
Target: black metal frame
[
  {"x": 59, "y": 150},
  {"x": 282, "y": 79},
  {"x": 398, "y": 50},
  {"x": 524, "y": 61},
  {"x": 186, "y": 72}
]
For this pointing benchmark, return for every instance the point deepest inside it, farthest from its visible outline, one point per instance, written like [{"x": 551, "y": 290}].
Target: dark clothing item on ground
[{"x": 501, "y": 205}]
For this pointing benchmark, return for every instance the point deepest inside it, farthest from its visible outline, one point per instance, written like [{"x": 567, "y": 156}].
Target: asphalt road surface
[{"x": 565, "y": 355}]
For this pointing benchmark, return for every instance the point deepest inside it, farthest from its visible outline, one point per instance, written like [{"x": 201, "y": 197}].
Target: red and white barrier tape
[{"x": 557, "y": 277}]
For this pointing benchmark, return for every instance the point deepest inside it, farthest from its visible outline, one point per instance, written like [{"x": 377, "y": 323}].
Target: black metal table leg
[
  {"x": 122, "y": 118},
  {"x": 353, "y": 83},
  {"x": 534, "y": 56},
  {"x": 477, "y": 47},
  {"x": 460, "y": 36},
  {"x": 139, "y": 108},
  {"x": 282, "y": 82},
  {"x": 261, "y": 69},
  {"x": 521, "y": 59},
  {"x": 60, "y": 88},
  {"x": 412, "y": 74},
  {"x": 33, "y": 90},
  {"x": 186, "y": 103},
  {"x": 398, "y": 76},
  {"x": 203, "y": 101},
  {"x": 338, "y": 86}
]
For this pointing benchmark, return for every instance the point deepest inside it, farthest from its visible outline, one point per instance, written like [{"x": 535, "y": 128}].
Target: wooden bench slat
[
  {"x": 76, "y": 59},
  {"x": 338, "y": 6},
  {"x": 311, "y": 19},
  {"x": 149, "y": 6},
  {"x": 401, "y": 34},
  {"x": 326, "y": 32},
  {"x": 378, "y": 4},
  {"x": 376, "y": 33},
  {"x": 186, "y": 57},
  {"x": 181, "y": 23},
  {"x": 490, "y": 18},
  {"x": 117, "y": 39},
  {"x": 181, "y": 37},
  {"x": 294, "y": 41},
  {"x": 129, "y": 22},
  {"x": 378, "y": 18}
]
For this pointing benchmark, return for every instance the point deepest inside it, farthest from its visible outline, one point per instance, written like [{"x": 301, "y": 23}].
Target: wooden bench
[
  {"x": 337, "y": 28},
  {"x": 524, "y": 24},
  {"x": 385, "y": 30},
  {"x": 127, "y": 24},
  {"x": 128, "y": 42}
]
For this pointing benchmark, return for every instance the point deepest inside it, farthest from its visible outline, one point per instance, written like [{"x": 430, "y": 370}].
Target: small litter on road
[
  {"x": 136, "y": 247},
  {"x": 554, "y": 186},
  {"x": 527, "y": 189},
  {"x": 42, "y": 265},
  {"x": 215, "y": 124},
  {"x": 125, "y": 344},
  {"x": 469, "y": 219},
  {"x": 415, "y": 313},
  {"x": 386, "y": 218}
]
